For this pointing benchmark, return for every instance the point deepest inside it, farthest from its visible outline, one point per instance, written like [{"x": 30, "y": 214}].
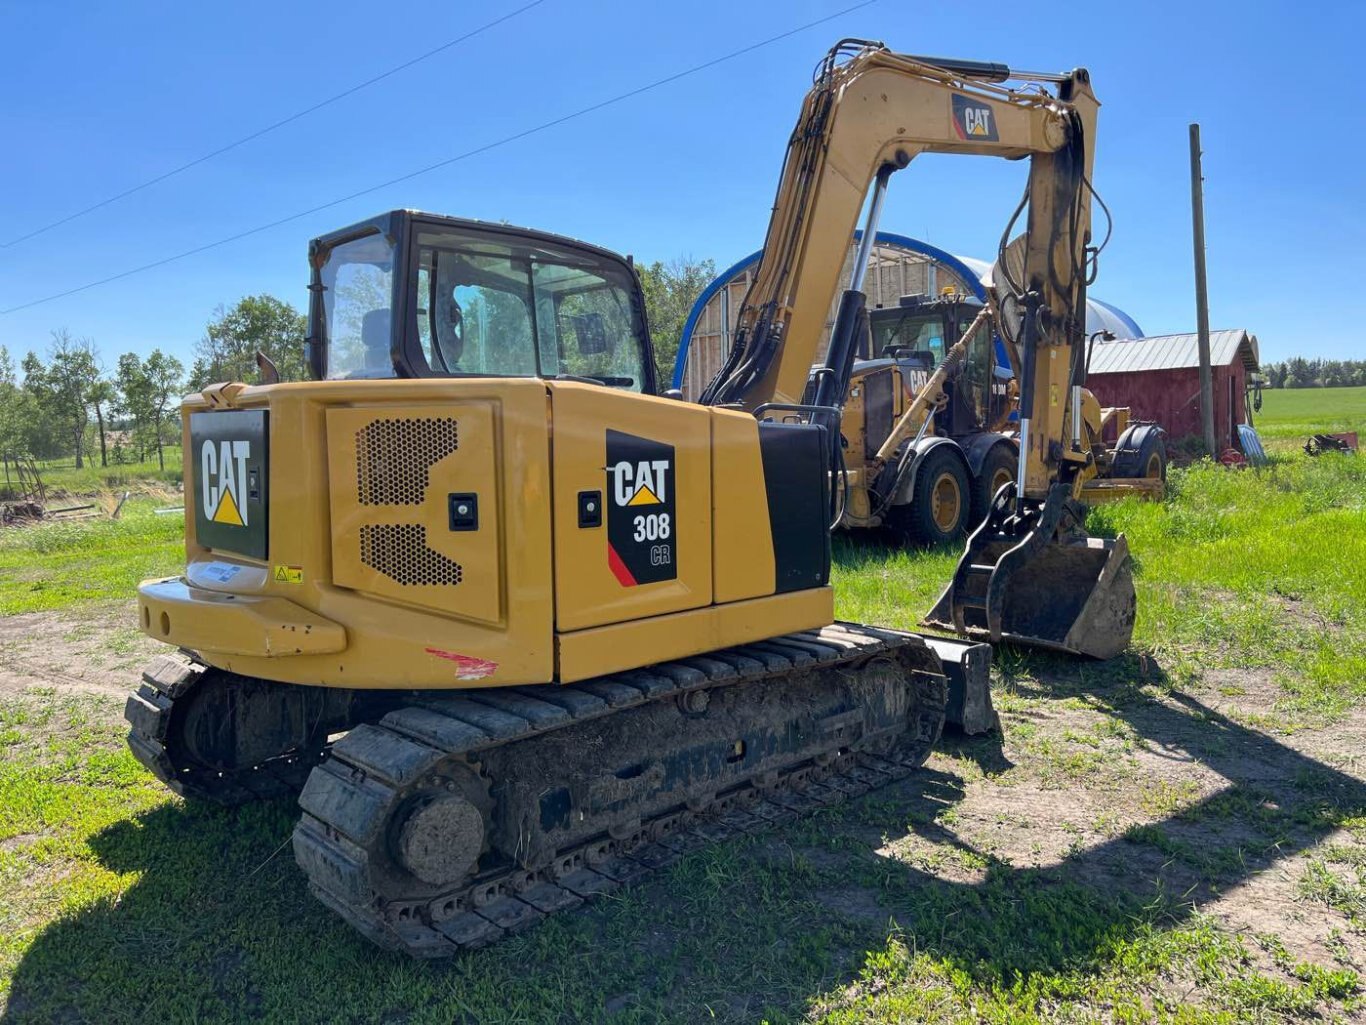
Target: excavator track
[
  {"x": 182, "y": 719},
  {"x": 467, "y": 816}
]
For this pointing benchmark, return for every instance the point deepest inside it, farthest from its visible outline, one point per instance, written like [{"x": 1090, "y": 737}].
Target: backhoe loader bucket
[{"x": 1039, "y": 580}]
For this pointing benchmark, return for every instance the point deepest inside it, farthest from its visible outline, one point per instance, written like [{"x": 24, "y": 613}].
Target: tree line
[
  {"x": 1315, "y": 373},
  {"x": 68, "y": 401},
  {"x": 670, "y": 291}
]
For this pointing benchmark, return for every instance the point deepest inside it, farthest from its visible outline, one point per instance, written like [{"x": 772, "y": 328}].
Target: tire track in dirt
[{"x": 97, "y": 651}]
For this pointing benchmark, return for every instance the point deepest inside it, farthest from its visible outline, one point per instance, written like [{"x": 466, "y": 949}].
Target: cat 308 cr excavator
[{"x": 521, "y": 629}]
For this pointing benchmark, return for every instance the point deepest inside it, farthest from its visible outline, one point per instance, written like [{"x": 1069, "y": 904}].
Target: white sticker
[{"x": 221, "y": 571}]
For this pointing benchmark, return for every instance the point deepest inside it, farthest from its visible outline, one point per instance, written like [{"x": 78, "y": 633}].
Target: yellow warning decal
[
  {"x": 227, "y": 511},
  {"x": 644, "y": 496},
  {"x": 289, "y": 574}
]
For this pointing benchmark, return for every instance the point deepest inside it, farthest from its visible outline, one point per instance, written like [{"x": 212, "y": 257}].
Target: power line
[
  {"x": 543, "y": 126},
  {"x": 271, "y": 127}
]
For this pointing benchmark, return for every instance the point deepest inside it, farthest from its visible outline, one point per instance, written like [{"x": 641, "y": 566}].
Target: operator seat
[{"x": 374, "y": 335}]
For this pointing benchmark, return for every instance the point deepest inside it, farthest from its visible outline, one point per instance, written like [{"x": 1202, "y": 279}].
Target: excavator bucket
[{"x": 1038, "y": 580}]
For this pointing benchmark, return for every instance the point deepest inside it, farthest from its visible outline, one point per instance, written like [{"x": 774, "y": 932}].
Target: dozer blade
[
  {"x": 1038, "y": 580},
  {"x": 967, "y": 672}
]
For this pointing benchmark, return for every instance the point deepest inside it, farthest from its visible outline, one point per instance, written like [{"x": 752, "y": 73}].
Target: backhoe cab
[
  {"x": 960, "y": 448},
  {"x": 952, "y": 454},
  {"x": 917, "y": 334},
  {"x": 416, "y": 295}
]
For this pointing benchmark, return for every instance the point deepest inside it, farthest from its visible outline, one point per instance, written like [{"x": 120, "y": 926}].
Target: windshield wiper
[{"x": 611, "y": 382}]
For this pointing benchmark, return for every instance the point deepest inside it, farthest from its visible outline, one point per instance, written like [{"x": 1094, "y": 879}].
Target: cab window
[{"x": 500, "y": 305}]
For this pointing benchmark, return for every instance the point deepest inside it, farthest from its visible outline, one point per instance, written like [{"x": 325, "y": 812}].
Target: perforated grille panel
[
  {"x": 392, "y": 472},
  {"x": 400, "y": 552},
  {"x": 394, "y": 457}
]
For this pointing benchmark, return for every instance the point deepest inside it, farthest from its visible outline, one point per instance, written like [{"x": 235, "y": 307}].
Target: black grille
[
  {"x": 393, "y": 458},
  {"x": 400, "y": 552}
]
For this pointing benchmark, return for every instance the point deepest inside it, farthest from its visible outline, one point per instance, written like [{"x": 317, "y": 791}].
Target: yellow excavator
[{"x": 515, "y": 628}]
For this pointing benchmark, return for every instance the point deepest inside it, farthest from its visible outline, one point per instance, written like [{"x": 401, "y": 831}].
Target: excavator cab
[{"x": 473, "y": 300}]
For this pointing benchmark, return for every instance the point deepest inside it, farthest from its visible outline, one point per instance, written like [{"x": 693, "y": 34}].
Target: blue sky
[{"x": 102, "y": 96}]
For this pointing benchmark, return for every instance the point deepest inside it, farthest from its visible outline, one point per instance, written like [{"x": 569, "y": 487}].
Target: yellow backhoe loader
[
  {"x": 565, "y": 628},
  {"x": 927, "y": 391}
]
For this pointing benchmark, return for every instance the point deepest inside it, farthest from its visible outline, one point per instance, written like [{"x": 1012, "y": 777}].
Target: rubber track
[
  {"x": 149, "y": 711},
  {"x": 349, "y": 799}
]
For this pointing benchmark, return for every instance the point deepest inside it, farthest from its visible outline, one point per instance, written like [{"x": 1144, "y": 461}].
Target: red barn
[{"x": 1158, "y": 378}]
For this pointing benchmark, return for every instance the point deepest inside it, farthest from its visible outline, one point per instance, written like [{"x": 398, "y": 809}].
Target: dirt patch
[
  {"x": 14, "y": 843},
  {"x": 1171, "y": 794},
  {"x": 1304, "y": 617},
  {"x": 98, "y": 651},
  {"x": 853, "y": 902}
]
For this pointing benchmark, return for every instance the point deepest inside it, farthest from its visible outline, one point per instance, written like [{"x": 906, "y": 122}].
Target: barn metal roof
[{"x": 1171, "y": 352}]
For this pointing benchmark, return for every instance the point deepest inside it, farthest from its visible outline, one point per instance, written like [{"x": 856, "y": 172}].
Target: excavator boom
[{"x": 869, "y": 114}]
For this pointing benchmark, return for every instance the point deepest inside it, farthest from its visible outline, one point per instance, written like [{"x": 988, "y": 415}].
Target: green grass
[
  {"x": 1238, "y": 568},
  {"x": 61, "y": 475},
  {"x": 1296, "y": 413},
  {"x": 62, "y": 563},
  {"x": 119, "y": 902},
  {"x": 1256, "y": 568}
]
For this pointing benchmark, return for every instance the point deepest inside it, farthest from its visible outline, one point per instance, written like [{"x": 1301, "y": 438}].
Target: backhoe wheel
[
  {"x": 1153, "y": 456},
  {"x": 938, "y": 510},
  {"x": 998, "y": 469},
  {"x": 1141, "y": 451}
]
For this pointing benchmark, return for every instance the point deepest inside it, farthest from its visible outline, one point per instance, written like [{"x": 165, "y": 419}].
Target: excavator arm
[
  {"x": 867, "y": 117},
  {"x": 869, "y": 113}
]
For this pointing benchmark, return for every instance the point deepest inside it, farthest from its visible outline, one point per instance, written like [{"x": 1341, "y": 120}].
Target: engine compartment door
[
  {"x": 415, "y": 505},
  {"x": 631, "y": 479}
]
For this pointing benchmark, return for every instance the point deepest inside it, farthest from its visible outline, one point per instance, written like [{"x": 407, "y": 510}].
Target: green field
[
  {"x": 61, "y": 476},
  {"x": 1295, "y": 413},
  {"x": 1178, "y": 835},
  {"x": 58, "y": 565}
]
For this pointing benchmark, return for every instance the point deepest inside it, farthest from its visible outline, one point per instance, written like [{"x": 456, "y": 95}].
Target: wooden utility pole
[{"x": 1201, "y": 293}]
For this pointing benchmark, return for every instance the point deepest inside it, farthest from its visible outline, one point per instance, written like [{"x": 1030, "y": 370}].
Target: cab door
[{"x": 631, "y": 480}]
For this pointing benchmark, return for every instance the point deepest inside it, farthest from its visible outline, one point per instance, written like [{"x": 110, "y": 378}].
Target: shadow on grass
[{"x": 219, "y": 926}]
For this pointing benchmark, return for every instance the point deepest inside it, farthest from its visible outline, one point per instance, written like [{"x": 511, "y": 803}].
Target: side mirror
[{"x": 673, "y": 393}]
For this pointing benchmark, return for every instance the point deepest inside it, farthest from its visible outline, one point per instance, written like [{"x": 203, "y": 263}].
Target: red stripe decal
[
  {"x": 467, "y": 667},
  {"x": 619, "y": 569}
]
